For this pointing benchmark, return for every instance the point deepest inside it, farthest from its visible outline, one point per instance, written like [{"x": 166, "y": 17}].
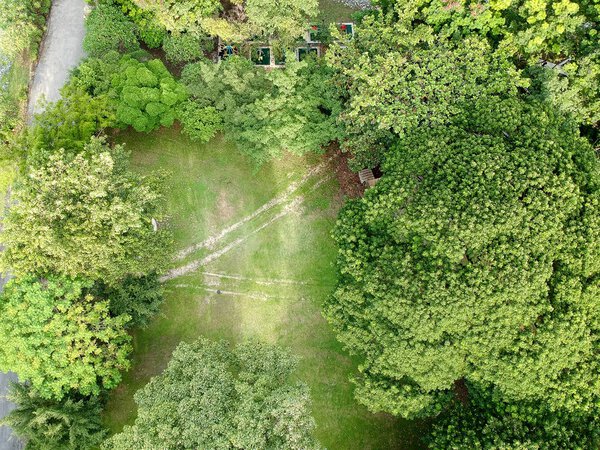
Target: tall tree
[
  {"x": 181, "y": 16},
  {"x": 485, "y": 421},
  {"x": 85, "y": 214},
  {"x": 213, "y": 397},
  {"x": 477, "y": 257},
  {"x": 60, "y": 339},
  {"x": 73, "y": 423},
  {"x": 294, "y": 109},
  {"x": 394, "y": 85}
]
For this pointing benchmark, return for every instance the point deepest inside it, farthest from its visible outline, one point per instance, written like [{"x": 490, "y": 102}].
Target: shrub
[
  {"x": 109, "y": 29},
  {"x": 200, "y": 123},
  {"x": 138, "y": 297},
  {"x": 149, "y": 30},
  {"x": 183, "y": 48},
  {"x": 147, "y": 94}
]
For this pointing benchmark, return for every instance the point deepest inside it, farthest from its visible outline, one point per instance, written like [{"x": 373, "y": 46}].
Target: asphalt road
[
  {"x": 61, "y": 51},
  {"x": 7, "y": 440}
]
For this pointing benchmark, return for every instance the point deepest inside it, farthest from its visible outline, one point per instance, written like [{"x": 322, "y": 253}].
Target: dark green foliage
[
  {"x": 212, "y": 397},
  {"x": 200, "y": 123},
  {"x": 293, "y": 109},
  {"x": 108, "y": 29},
  {"x": 138, "y": 297},
  {"x": 147, "y": 94},
  {"x": 476, "y": 256},
  {"x": 85, "y": 214},
  {"x": 73, "y": 423},
  {"x": 149, "y": 30},
  {"x": 184, "y": 48},
  {"x": 60, "y": 339},
  {"x": 69, "y": 123},
  {"x": 486, "y": 422},
  {"x": 22, "y": 23}
]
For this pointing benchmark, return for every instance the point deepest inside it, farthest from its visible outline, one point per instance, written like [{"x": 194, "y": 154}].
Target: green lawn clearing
[
  {"x": 272, "y": 266},
  {"x": 332, "y": 11}
]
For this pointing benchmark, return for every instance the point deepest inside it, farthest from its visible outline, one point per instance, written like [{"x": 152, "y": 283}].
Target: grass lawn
[
  {"x": 332, "y": 11},
  {"x": 274, "y": 269}
]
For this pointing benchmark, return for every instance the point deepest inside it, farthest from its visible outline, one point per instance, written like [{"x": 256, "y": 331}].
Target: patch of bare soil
[
  {"x": 350, "y": 185},
  {"x": 226, "y": 209}
]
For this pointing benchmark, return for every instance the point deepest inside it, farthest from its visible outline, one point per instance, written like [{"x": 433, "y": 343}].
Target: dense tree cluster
[
  {"x": 211, "y": 396},
  {"x": 85, "y": 215},
  {"x": 266, "y": 113},
  {"x": 476, "y": 257},
  {"x": 21, "y": 22},
  {"x": 61, "y": 339},
  {"x": 73, "y": 423},
  {"x": 469, "y": 276}
]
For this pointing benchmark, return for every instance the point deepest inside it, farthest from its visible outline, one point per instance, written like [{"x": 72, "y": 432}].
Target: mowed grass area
[
  {"x": 274, "y": 270},
  {"x": 332, "y": 11}
]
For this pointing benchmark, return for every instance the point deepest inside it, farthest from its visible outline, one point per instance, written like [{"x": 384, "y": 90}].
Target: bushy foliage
[
  {"x": 149, "y": 30},
  {"x": 147, "y": 94},
  {"x": 213, "y": 397},
  {"x": 395, "y": 89},
  {"x": 85, "y": 214},
  {"x": 524, "y": 30},
  {"x": 137, "y": 297},
  {"x": 181, "y": 16},
  {"x": 293, "y": 109},
  {"x": 476, "y": 256},
  {"x": 200, "y": 123},
  {"x": 59, "y": 339},
  {"x": 283, "y": 20},
  {"x": 73, "y": 423},
  {"x": 107, "y": 28},
  {"x": 184, "y": 48},
  {"x": 68, "y": 123},
  {"x": 486, "y": 422},
  {"x": 22, "y": 25}
]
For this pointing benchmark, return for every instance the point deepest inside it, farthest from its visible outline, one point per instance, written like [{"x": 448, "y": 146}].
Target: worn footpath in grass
[{"x": 271, "y": 284}]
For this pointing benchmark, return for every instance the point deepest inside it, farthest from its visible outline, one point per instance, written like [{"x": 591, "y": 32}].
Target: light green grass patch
[{"x": 272, "y": 283}]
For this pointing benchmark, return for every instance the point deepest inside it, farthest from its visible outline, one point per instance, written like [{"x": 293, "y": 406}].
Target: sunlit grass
[{"x": 272, "y": 284}]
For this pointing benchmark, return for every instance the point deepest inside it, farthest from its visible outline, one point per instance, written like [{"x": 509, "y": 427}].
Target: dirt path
[
  {"x": 289, "y": 198},
  {"x": 61, "y": 51},
  {"x": 284, "y": 197}
]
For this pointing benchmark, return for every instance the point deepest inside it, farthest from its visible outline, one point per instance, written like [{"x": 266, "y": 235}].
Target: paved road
[
  {"x": 7, "y": 440},
  {"x": 61, "y": 51}
]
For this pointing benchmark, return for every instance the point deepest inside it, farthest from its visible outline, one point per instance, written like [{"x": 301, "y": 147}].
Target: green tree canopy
[
  {"x": 476, "y": 256},
  {"x": 107, "y": 28},
  {"x": 73, "y": 423},
  {"x": 60, "y": 339},
  {"x": 147, "y": 94},
  {"x": 293, "y": 109},
  {"x": 487, "y": 422},
  {"x": 564, "y": 31},
  {"x": 181, "y": 16},
  {"x": 397, "y": 85},
  {"x": 21, "y": 25},
  {"x": 213, "y": 397},
  {"x": 85, "y": 214}
]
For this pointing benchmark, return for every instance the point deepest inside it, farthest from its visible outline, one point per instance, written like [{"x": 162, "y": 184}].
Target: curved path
[{"x": 60, "y": 52}]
